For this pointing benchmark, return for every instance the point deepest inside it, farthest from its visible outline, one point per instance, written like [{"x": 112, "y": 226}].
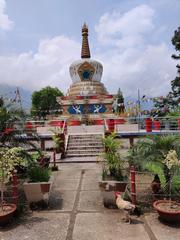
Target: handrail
[
  {"x": 64, "y": 125},
  {"x": 105, "y": 125}
]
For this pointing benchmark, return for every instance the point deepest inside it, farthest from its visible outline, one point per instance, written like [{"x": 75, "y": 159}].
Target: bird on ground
[
  {"x": 126, "y": 206},
  {"x": 156, "y": 184}
]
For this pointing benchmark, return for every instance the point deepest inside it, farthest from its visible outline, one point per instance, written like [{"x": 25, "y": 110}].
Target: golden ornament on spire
[{"x": 85, "y": 52}]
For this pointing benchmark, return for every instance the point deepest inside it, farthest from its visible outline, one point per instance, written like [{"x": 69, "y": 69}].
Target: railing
[{"x": 135, "y": 124}]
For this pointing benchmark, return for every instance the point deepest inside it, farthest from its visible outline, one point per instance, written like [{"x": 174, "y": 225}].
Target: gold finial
[{"x": 85, "y": 52}]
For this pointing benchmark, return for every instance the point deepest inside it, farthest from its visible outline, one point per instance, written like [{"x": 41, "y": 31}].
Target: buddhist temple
[{"x": 87, "y": 97}]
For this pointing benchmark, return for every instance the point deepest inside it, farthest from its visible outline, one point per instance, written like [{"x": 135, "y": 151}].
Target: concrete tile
[
  {"x": 66, "y": 184},
  {"x": 40, "y": 226},
  {"x": 106, "y": 226},
  {"x": 90, "y": 201},
  {"x": 62, "y": 200},
  {"x": 80, "y": 166},
  {"x": 90, "y": 184},
  {"x": 68, "y": 174},
  {"x": 163, "y": 231}
]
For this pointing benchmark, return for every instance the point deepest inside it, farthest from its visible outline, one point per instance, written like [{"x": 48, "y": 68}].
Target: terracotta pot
[
  {"x": 157, "y": 125},
  {"x": 4, "y": 219},
  {"x": 178, "y": 123},
  {"x": 45, "y": 187},
  {"x": 168, "y": 216},
  {"x": 148, "y": 123}
]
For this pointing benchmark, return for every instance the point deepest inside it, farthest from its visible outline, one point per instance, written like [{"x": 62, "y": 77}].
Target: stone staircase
[{"x": 86, "y": 145}]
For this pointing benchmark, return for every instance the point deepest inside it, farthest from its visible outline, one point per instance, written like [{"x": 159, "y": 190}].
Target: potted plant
[
  {"x": 160, "y": 154},
  {"x": 59, "y": 141},
  {"x": 9, "y": 159},
  {"x": 169, "y": 210},
  {"x": 39, "y": 183},
  {"x": 113, "y": 177},
  {"x": 42, "y": 158}
]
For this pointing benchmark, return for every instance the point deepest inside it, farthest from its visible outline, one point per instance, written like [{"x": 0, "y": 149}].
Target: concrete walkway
[{"x": 76, "y": 212}]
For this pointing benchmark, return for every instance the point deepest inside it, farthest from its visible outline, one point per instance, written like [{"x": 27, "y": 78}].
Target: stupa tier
[{"x": 87, "y": 95}]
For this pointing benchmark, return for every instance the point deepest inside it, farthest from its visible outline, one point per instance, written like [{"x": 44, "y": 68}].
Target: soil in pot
[
  {"x": 7, "y": 213},
  {"x": 169, "y": 207},
  {"x": 168, "y": 210}
]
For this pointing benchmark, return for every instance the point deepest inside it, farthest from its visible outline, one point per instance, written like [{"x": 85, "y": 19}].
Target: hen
[
  {"x": 126, "y": 206},
  {"x": 156, "y": 184}
]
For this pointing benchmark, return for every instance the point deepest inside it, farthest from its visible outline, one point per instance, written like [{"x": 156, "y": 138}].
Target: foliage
[
  {"x": 41, "y": 157},
  {"x": 118, "y": 105},
  {"x": 113, "y": 164},
  {"x": 38, "y": 174},
  {"x": 155, "y": 152},
  {"x": 44, "y": 101},
  {"x": 9, "y": 159},
  {"x": 154, "y": 149},
  {"x": 171, "y": 102},
  {"x": 11, "y": 128},
  {"x": 58, "y": 141}
]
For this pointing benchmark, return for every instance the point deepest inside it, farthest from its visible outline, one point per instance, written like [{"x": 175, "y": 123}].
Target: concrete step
[
  {"x": 82, "y": 155},
  {"x": 71, "y": 147},
  {"x": 85, "y": 153},
  {"x": 85, "y": 137},
  {"x": 83, "y": 144}
]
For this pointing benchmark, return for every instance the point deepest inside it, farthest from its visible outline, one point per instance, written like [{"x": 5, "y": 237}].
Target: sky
[{"x": 39, "y": 39}]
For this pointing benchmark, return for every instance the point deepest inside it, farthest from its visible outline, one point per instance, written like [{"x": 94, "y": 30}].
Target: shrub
[{"x": 38, "y": 174}]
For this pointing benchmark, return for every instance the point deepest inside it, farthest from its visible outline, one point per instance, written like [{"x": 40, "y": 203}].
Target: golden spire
[{"x": 85, "y": 52}]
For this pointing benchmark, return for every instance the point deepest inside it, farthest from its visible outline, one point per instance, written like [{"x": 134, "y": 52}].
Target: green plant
[
  {"x": 9, "y": 159},
  {"x": 38, "y": 174},
  {"x": 113, "y": 165},
  {"x": 58, "y": 141},
  {"x": 151, "y": 153}
]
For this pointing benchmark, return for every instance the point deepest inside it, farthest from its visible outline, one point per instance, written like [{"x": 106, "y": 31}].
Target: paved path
[{"x": 77, "y": 213}]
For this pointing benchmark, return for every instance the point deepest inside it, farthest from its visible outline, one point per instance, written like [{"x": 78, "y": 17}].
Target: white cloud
[
  {"x": 49, "y": 66},
  {"x": 130, "y": 60},
  {"x": 5, "y": 22},
  {"x": 133, "y": 23}
]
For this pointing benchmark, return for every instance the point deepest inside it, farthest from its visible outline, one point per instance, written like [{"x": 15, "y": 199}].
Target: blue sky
[{"x": 132, "y": 38}]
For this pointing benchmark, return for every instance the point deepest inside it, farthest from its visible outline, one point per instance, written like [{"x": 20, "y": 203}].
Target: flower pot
[
  {"x": 148, "y": 124},
  {"x": 168, "y": 210},
  {"x": 7, "y": 214},
  {"x": 38, "y": 191},
  {"x": 178, "y": 123},
  {"x": 157, "y": 125}
]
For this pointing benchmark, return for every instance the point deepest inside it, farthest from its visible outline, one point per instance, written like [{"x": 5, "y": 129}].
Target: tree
[
  {"x": 118, "y": 105},
  {"x": 171, "y": 102},
  {"x": 175, "y": 84},
  {"x": 44, "y": 101}
]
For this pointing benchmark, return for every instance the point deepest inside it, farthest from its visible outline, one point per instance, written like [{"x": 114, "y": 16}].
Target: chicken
[
  {"x": 126, "y": 206},
  {"x": 156, "y": 184}
]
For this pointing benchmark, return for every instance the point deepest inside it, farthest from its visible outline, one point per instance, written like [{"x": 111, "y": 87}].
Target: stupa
[{"x": 87, "y": 97}]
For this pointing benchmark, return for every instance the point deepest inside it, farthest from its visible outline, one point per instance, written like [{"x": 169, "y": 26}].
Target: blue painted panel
[
  {"x": 97, "y": 108},
  {"x": 76, "y": 109}
]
